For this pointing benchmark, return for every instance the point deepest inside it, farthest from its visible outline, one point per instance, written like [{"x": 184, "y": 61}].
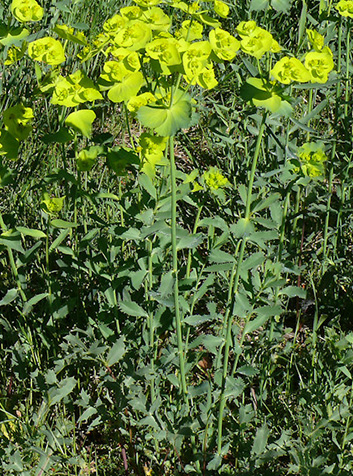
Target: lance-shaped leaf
[
  {"x": 82, "y": 121},
  {"x": 167, "y": 121}
]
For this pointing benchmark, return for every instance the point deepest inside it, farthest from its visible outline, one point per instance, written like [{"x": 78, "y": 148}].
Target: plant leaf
[
  {"x": 82, "y": 121},
  {"x": 116, "y": 352},
  {"x": 166, "y": 121}
]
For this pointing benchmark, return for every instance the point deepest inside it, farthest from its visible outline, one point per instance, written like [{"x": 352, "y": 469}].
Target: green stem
[
  {"x": 47, "y": 263},
  {"x": 13, "y": 263},
  {"x": 196, "y": 224},
  {"x": 327, "y": 218},
  {"x": 310, "y": 107},
  {"x": 175, "y": 270},
  {"x": 228, "y": 318},
  {"x": 280, "y": 250},
  {"x": 347, "y": 89},
  {"x": 333, "y": 153},
  {"x": 315, "y": 329}
]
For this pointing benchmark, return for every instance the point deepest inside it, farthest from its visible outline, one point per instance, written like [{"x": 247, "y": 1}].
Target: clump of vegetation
[{"x": 175, "y": 238}]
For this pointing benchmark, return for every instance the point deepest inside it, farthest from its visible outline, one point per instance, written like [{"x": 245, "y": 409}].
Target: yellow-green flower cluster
[
  {"x": 319, "y": 64},
  {"x": 255, "y": 41},
  {"x": 145, "y": 31},
  {"x": 316, "y": 68},
  {"x": 86, "y": 158},
  {"x": 312, "y": 159},
  {"x": 47, "y": 50},
  {"x": 18, "y": 125},
  {"x": 151, "y": 148},
  {"x": 52, "y": 205},
  {"x": 26, "y": 10},
  {"x": 75, "y": 89},
  {"x": 345, "y": 8},
  {"x": 214, "y": 179}
]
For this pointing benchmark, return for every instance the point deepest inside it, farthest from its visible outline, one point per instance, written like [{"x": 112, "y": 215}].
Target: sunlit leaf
[
  {"x": 82, "y": 121},
  {"x": 127, "y": 88},
  {"x": 265, "y": 94},
  {"x": 12, "y": 36},
  {"x": 166, "y": 121}
]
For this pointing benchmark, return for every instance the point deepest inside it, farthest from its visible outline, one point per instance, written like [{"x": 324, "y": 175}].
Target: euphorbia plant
[{"x": 156, "y": 55}]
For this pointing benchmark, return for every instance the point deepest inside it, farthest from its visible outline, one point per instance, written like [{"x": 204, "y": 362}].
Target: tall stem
[
  {"x": 175, "y": 270},
  {"x": 229, "y": 314},
  {"x": 13, "y": 263}
]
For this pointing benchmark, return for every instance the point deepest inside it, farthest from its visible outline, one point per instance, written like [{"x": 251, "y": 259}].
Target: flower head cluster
[
  {"x": 18, "y": 125},
  {"x": 86, "y": 158},
  {"x": 26, "y": 10},
  {"x": 316, "y": 68},
  {"x": 319, "y": 64},
  {"x": 312, "y": 159},
  {"x": 52, "y": 205},
  {"x": 289, "y": 69},
  {"x": 345, "y": 8},
  {"x": 151, "y": 148},
  {"x": 214, "y": 179},
  {"x": 256, "y": 41},
  {"x": 17, "y": 120},
  {"x": 75, "y": 89},
  {"x": 47, "y": 50}
]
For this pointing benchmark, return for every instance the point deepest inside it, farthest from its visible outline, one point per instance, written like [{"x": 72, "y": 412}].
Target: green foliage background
[{"x": 91, "y": 364}]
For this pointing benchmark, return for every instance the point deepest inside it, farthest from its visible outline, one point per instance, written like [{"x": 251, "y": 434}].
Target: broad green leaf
[
  {"x": 57, "y": 242},
  {"x": 263, "y": 314},
  {"x": 132, "y": 309},
  {"x": 282, "y": 6},
  {"x": 108, "y": 195},
  {"x": 189, "y": 241},
  {"x": 198, "y": 390},
  {"x": 65, "y": 388},
  {"x": 146, "y": 183},
  {"x": 6, "y": 176},
  {"x": 247, "y": 370},
  {"x": 127, "y": 88},
  {"x": 82, "y": 121},
  {"x": 58, "y": 223},
  {"x": 253, "y": 261},
  {"x": 257, "y": 5},
  {"x": 33, "y": 301},
  {"x": 243, "y": 228},
  {"x": 234, "y": 387},
  {"x": 67, "y": 33},
  {"x": 31, "y": 232},
  {"x": 166, "y": 121},
  {"x": 12, "y": 240},
  {"x": 203, "y": 17},
  {"x": 210, "y": 342},
  {"x": 61, "y": 137},
  {"x": 260, "y": 441},
  {"x": 167, "y": 284},
  {"x": 197, "y": 320},
  {"x": 116, "y": 352},
  {"x": 215, "y": 463},
  {"x": 8, "y": 145},
  {"x": 87, "y": 414},
  {"x": 293, "y": 291},
  {"x": 219, "y": 256},
  {"x": 264, "y": 94},
  {"x": 9, "y": 297},
  {"x": 119, "y": 158},
  {"x": 12, "y": 36}
]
